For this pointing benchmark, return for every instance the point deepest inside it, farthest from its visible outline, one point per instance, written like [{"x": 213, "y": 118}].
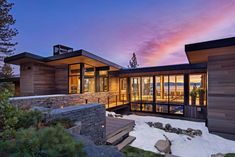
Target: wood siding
[
  {"x": 61, "y": 80},
  {"x": 26, "y": 79},
  {"x": 221, "y": 94},
  {"x": 43, "y": 79}
]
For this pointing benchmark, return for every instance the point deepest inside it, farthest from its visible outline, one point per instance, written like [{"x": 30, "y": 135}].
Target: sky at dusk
[{"x": 156, "y": 30}]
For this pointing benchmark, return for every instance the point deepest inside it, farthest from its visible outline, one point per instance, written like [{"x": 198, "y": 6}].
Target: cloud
[{"x": 170, "y": 41}]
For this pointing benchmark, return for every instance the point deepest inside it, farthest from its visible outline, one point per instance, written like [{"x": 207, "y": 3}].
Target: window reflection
[
  {"x": 147, "y": 88},
  {"x": 197, "y": 89},
  {"x": 176, "y": 92},
  {"x": 74, "y": 78},
  {"x": 162, "y": 88},
  {"x": 89, "y": 79},
  {"x": 135, "y": 89}
]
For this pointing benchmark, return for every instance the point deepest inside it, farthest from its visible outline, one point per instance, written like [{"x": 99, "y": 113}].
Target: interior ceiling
[{"x": 201, "y": 56}]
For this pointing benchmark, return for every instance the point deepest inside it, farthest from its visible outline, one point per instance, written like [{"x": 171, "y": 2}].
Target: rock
[
  {"x": 118, "y": 115},
  {"x": 168, "y": 126},
  {"x": 158, "y": 125},
  {"x": 189, "y": 130},
  {"x": 217, "y": 155},
  {"x": 174, "y": 130},
  {"x": 198, "y": 132},
  {"x": 179, "y": 131},
  {"x": 163, "y": 146},
  {"x": 150, "y": 124},
  {"x": 189, "y": 138},
  {"x": 110, "y": 115}
]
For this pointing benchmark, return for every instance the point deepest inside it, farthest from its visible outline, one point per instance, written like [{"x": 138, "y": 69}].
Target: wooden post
[{"x": 82, "y": 78}]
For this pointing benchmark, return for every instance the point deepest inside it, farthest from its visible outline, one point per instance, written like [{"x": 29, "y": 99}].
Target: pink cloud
[{"x": 159, "y": 49}]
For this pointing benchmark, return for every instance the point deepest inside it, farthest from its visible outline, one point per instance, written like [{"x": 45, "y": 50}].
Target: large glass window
[
  {"x": 89, "y": 79},
  {"x": 123, "y": 89},
  {"x": 74, "y": 78},
  {"x": 135, "y": 89},
  {"x": 197, "y": 89},
  {"x": 162, "y": 88},
  {"x": 147, "y": 88},
  {"x": 103, "y": 80},
  {"x": 176, "y": 89}
]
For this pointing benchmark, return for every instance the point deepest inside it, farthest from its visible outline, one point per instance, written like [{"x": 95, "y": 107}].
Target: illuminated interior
[
  {"x": 103, "y": 81},
  {"x": 74, "y": 78},
  {"x": 147, "y": 89},
  {"x": 123, "y": 89},
  {"x": 89, "y": 79},
  {"x": 162, "y": 88},
  {"x": 135, "y": 89},
  {"x": 176, "y": 89},
  {"x": 197, "y": 89}
]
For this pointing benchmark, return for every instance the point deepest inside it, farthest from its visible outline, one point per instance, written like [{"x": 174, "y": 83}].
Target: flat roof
[
  {"x": 164, "y": 68},
  {"x": 199, "y": 52},
  {"x": 26, "y": 56},
  {"x": 210, "y": 44}
]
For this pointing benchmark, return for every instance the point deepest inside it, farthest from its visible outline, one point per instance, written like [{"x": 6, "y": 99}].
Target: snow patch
[
  {"x": 36, "y": 96},
  {"x": 199, "y": 146}
]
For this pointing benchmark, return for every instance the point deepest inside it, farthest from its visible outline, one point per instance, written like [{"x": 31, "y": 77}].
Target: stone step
[
  {"x": 118, "y": 137},
  {"x": 125, "y": 142}
]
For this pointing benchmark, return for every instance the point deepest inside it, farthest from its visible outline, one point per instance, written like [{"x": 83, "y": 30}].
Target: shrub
[
  {"x": 28, "y": 119},
  {"x": 12, "y": 118},
  {"x": 46, "y": 142},
  {"x": 65, "y": 122}
]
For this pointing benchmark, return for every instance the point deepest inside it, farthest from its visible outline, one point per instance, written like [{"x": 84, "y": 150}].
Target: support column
[{"x": 82, "y": 71}]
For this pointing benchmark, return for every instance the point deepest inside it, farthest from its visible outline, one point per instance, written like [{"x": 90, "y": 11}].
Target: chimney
[{"x": 61, "y": 49}]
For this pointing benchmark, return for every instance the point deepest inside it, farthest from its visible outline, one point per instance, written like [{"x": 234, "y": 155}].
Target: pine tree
[
  {"x": 6, "y": 31},
  {"x": 133, "y": 62}
]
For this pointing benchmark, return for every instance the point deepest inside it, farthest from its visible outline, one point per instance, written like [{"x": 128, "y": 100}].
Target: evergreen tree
[
  {"x": 6, "y": 31},
  {"x": 133, "y": 62}
]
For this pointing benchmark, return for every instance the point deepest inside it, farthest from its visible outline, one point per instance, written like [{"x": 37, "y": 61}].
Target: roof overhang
[
  {"x": 80, "y": 56},
  {"x": 199, "y": 52}
]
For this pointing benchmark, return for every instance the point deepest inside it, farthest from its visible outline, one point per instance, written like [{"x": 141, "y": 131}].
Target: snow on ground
[{"x": 203, "y": 146}]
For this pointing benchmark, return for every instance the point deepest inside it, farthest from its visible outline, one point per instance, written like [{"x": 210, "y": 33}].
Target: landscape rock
[
  {"x": 158, "y": 125},
  {"x": 168, "y": 127},
  {"x": 163, "y": 146}
]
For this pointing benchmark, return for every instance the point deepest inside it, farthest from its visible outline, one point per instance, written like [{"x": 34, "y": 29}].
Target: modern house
[{"x": 202, "y": 89}]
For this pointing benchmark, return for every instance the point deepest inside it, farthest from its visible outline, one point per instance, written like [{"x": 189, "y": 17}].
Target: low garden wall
[
  {"x": 61, "y": 100},
  {"x": 91, "y": 116}
]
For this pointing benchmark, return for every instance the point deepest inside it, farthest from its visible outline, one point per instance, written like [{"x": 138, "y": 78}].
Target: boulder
[
  {"x": 163, "y": 146},
  {"x": 150, "y": 124},
  {"x": 174, "y": 130},
  {"x": 168, "y": 126},
  {"x": 158, "y": 125}
]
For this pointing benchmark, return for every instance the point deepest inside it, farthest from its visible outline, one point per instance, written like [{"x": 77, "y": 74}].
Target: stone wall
[
  {"x": 91, "y": 116},
  {"x": 62, "y": 100}
]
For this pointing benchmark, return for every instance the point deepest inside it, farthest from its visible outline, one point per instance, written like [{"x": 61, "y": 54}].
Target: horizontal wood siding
[
  {"x": 61, "y": 80},
  {"x": 43, "y": 79},
  {"x": 221, "y": 94},
  {"x": 26, "y": 79}
]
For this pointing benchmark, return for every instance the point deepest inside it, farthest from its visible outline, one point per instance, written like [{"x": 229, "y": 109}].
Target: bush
[
  {"x": 12, "y": 118},
  {"x": 65, "y": 122},
  {"x": 46, "y": 142},
  {"x": 28, "y": 119}
]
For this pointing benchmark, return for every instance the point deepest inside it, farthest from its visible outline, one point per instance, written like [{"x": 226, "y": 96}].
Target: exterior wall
[
  {"x": 57, "y": 101},
  {"x": 36, "y": 79},
  {"x": 221, "y": 96},
  {"x": 43, "y": 79},
  {"x": 61, "y": 80},
  {"x": 91, "y": 116},
  {"x": 26, "y": 79}
]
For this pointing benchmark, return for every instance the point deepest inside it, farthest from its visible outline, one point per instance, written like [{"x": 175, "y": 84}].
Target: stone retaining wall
[
  {"x": 91, "y": 116},
  {"x": 63, "y": 100}
]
